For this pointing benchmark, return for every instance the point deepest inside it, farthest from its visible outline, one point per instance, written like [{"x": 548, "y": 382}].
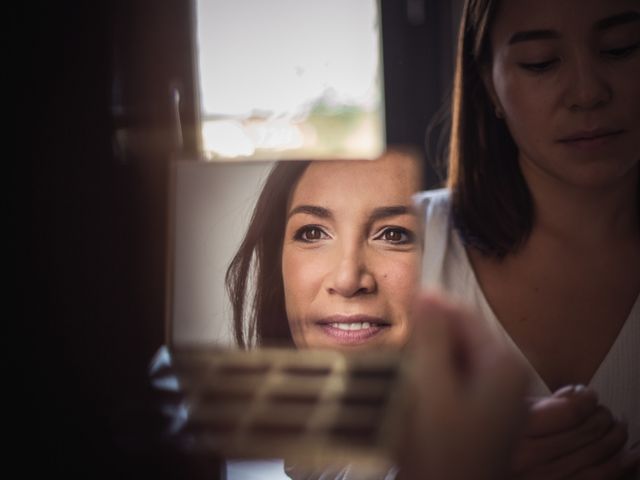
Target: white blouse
[{"x": 446, "y": 265}]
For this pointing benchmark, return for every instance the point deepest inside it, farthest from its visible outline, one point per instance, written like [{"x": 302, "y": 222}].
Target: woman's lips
[
  {"x": 589, "y": 139},
  {"x": 352, "y": 329}
]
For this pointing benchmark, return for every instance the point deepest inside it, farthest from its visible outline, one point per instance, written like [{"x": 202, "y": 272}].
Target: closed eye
[
  {"x": 621, "y": 52},
  {"x": 539, "y": 67}
]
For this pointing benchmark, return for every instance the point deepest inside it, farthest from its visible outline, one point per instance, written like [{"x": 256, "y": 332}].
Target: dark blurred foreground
[{"x": 95, "y": 120}]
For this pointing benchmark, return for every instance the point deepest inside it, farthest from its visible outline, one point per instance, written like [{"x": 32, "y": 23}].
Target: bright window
[{"x": 288, "y": 79}]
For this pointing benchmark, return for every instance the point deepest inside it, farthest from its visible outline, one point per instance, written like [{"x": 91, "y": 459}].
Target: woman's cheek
[
  {"x": 401, "y": 275},
  {"x": 293, "y": 301},
  {"x": 300, "y": 277}
]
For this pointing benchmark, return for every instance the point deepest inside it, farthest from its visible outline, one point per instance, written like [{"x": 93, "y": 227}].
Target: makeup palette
[{"x": 310, "y": 407}]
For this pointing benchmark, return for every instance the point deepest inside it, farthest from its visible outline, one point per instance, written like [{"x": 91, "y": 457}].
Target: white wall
[{"x": 213, "y": 203}]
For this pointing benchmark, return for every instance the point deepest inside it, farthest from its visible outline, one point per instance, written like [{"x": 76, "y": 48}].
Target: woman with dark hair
[
  {"x": 539, "y": 228},
  {"x": 331, "y": 256}
]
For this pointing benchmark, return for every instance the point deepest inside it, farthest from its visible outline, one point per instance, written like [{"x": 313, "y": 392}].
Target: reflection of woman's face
[{"x": 350, "y": 254}]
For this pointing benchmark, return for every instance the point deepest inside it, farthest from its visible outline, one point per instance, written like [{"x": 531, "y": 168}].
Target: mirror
[
  {"x": 278, "y": 80},
  {"x": 310, "y": 216}
]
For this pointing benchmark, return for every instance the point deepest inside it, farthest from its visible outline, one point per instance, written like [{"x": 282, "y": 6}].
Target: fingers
[
  {"x": 587, "y": 458},
  {"x": 539, "y": 450},
  {"x": 612, "y": 442},
  {"x": 561, "y": 412},
  {"x": 597, "y": 453}
]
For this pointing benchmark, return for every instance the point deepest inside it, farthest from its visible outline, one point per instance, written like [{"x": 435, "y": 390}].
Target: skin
[
  {"x": 580, "y": 79},
  {"x": 344, "y": 256},
  {"x": 570, "y": 435},
  {"x": 572, "y": 105},
  {"x": 579, "y": 266},
  {"x": 466, "y": 426}
]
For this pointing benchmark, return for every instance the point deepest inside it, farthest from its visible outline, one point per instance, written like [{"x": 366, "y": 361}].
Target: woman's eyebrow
[
  {"x": 528, "y": 35},
  {"x": 616, "y": 20},
  {"x": 391, "y": 211},
  {"x": 311, "y": 210},
  {"x": 549, "y": 34}
]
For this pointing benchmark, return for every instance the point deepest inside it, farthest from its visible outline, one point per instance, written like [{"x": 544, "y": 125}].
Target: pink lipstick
[{"x": 352, "y": 329}]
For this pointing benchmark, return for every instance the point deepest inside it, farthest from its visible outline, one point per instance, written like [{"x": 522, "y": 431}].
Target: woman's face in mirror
[
  {"x": 351, "y": 253},
  {"x": 566, "y": 77}
]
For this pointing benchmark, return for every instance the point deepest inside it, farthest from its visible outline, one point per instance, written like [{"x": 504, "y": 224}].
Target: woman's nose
[
  {"x": 350, "y": 274},
  {"x": 588, "y": 88}
]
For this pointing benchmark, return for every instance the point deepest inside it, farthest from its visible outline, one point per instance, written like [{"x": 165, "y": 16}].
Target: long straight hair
[
  {"x": 492, "y": 206},
  {"x": 254, "y": 277}
]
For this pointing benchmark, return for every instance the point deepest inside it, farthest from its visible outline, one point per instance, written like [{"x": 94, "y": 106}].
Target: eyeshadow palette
[{"x": 312, "y": 407}]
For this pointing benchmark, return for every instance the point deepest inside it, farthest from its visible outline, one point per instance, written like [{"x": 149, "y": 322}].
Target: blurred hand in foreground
[{"x": 467, "y": 396}]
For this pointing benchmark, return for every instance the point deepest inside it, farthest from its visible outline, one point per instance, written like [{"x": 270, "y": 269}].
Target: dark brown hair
[
  {"x": 492, "y": 206},
  {"x": 257, "y": 264}
]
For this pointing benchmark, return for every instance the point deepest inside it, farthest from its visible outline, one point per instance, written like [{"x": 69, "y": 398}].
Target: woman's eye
[
  {"x": 621, "y": 52},
  {"x": 538, "y": 67},
  {"x": 310, "y": 233},
  {"x": 396, "y": 236}
]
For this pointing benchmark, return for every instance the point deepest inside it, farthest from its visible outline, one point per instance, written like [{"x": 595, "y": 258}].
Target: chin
[
  {"x": 596, "y": 174},
  {"x": 604, "y": 177}
]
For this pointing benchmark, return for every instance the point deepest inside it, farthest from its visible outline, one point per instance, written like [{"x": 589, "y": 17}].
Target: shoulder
[{"x": 433, "y": 208}]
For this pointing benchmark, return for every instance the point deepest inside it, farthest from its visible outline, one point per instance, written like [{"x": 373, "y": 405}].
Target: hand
[
  {"x": 569, "y": 435},
  {"x": 467, "y": 396}
]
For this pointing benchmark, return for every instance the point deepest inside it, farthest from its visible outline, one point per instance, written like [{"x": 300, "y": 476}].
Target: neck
[{"x": 584, "y": 214}]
